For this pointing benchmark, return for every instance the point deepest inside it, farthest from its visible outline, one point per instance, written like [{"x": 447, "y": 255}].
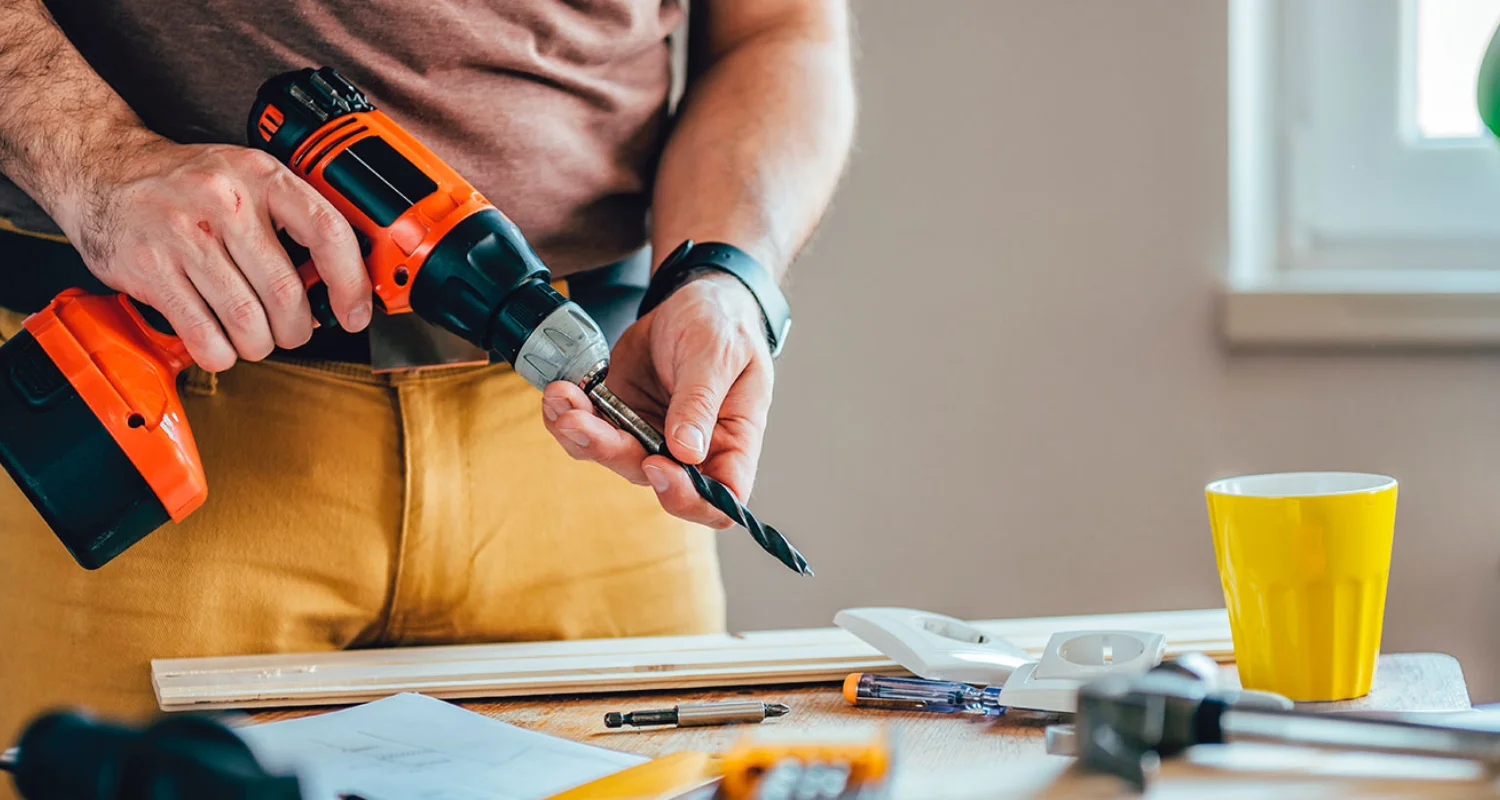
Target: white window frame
[{"x": 1364, "y": 256}]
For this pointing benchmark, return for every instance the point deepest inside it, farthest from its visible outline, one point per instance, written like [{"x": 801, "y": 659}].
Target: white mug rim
[{"x": 1273, "y": 484}]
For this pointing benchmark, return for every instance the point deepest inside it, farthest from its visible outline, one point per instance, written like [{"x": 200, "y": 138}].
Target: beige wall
[{"x": 1005, "y": 388}]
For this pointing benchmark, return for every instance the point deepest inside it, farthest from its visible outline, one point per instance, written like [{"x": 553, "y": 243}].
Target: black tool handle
[{"x": 66, "y": 756}]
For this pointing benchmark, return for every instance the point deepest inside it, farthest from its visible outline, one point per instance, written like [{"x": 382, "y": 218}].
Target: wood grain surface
[{"x": 959, "y": 753}]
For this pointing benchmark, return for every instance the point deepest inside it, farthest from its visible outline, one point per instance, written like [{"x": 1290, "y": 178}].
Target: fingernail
[
  {"x": 552, "y": 409},
  {"x": 577, "y": 437},
  {"x": 657, "y": 477},
  {"x": 359, "y": 316},
  {"x": 690, "y": 437}
]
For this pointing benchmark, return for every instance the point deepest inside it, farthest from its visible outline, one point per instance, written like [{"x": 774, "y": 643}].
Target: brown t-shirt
[{"x": 555, "y": 110}]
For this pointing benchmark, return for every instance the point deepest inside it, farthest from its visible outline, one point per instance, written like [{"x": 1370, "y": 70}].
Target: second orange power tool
[{"x": 92, "y": 427}]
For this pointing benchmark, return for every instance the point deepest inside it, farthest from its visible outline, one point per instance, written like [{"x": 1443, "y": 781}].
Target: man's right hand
[{"x": 190, "y": 230}]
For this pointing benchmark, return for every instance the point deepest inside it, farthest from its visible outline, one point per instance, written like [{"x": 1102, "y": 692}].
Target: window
[
  {"x": 1449, "y": 39},
  {"x": 1365, "y": 189}
]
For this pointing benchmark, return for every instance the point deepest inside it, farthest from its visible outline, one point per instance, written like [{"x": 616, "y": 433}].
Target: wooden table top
[{"x": 963, "y": 749}]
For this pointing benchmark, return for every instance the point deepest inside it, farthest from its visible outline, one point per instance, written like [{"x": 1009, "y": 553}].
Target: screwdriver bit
[
  {"x": 693, "y": 714},
  {"x": 717, "y": 494}
]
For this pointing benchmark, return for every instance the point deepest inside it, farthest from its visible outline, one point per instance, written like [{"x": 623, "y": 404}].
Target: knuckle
[
  {"x": 258, "y": 162},
  {"x": 700, "y": 401},
  {"x": 280, "y": 180},
  {"x": 193, "y": 327},
  {"x": 219, "y": 191},
  {"x": 180, "y": 312},
  {"x": 180, "y": 221},
  {"x": 203, "y": 181},
  {"x": 286, "y": 291},
  {"x": 243, "y": 313},
  {"x": 328, "y": 225}
]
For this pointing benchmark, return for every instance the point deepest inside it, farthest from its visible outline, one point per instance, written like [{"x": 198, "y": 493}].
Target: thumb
[{"x": 693, "y": 411}]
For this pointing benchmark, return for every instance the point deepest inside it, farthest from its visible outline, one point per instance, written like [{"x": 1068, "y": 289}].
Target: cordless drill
[{"x": 91, "y": 424}]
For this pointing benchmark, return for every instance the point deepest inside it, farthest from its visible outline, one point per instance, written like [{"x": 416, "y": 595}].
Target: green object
[{"x": 1489, "y": 85}]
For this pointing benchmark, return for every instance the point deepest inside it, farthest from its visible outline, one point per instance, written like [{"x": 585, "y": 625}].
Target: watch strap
[{"x": 689, "y": 259}]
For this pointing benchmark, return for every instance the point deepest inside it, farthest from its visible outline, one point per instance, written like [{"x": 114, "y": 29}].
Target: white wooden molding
[
  {"x": 594, "y": 666},
  {"x": 1347, "y": 308}
]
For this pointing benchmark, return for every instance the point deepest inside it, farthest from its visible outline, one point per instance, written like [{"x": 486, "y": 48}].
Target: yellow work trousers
[{"x": 348, "y": 509}]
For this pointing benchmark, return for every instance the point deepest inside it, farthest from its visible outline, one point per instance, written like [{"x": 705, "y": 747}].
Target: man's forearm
[
  {"x": 59, "y": 121},
  {"x": 763, "y": 132}
]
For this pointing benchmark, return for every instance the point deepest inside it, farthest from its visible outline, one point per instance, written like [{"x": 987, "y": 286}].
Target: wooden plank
[{"x": 602, "y": 665}]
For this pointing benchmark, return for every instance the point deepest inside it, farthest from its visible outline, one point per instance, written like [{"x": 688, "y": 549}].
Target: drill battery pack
[{"x": 66, "y": 462}]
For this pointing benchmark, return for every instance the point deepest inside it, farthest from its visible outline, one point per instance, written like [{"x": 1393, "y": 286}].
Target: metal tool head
[
  {"x": 1126, "y": 724},
  {"x": 1195, "y": 665},
  {"x": 566, "y": 346}
]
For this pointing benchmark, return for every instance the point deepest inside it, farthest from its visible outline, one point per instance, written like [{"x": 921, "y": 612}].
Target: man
[{"x": 351, "y": 508}]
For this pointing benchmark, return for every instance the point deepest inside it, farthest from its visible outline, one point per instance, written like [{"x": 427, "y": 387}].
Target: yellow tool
[
  {"x": 769, "y": 764},
  {"x": 676, "y": 775},
  {"x": 825, "y": 764}
]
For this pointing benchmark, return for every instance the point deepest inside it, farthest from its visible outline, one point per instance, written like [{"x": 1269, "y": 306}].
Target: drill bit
[{"x": 717, "y": 494}]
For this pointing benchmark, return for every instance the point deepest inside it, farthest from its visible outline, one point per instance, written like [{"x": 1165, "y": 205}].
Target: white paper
[{"x": 409, "y": 746}]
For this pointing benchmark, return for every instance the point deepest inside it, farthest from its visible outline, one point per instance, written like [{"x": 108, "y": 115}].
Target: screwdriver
[
  {"x": 917, "y": 694},
  {"x": 689, "y": 715}
]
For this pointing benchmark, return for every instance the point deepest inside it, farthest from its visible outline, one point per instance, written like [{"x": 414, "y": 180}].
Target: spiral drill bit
[{"x": 717, "y": 494}]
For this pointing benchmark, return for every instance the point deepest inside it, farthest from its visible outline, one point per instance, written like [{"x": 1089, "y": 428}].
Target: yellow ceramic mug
[{"x": 1304, "y": 558}]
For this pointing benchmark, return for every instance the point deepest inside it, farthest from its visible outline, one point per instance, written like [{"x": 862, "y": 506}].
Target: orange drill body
[{"x": 398, "y": 248}]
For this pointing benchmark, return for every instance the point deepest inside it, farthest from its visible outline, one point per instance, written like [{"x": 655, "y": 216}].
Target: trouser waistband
[{"x": 33, "y": 270}]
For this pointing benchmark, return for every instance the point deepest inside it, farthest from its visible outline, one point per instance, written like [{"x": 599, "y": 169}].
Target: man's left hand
[{"x": 698, "y": 366}]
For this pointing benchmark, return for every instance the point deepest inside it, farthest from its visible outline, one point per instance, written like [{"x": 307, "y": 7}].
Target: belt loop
[{"x": 200, "y": 382}]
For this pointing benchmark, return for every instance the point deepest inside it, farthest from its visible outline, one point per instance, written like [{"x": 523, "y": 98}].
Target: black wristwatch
[{"x": 689, "y": 259}]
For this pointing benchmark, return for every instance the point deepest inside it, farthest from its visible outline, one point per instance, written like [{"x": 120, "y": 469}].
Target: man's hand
[
  {"x": 190, "y": 230},
  {"x": 699, "y": 367}
]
